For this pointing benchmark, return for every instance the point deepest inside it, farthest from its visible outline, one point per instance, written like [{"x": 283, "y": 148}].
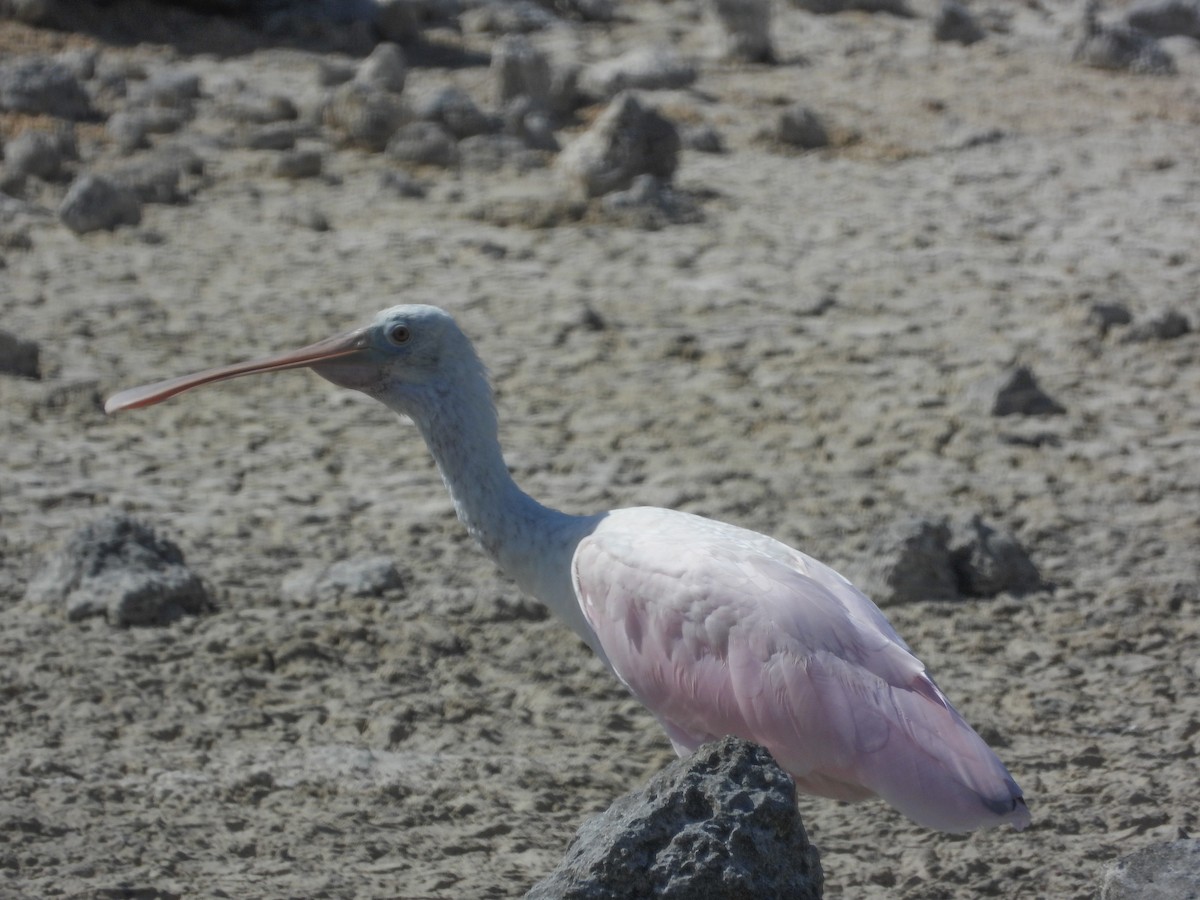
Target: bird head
[{"x": 405, "y": 349}]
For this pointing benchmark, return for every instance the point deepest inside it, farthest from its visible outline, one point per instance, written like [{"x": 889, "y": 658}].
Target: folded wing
[{"x": 719, "y": 630}]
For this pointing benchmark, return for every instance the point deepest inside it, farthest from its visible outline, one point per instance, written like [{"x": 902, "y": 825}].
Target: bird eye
[{"x": 399, "y": 334}]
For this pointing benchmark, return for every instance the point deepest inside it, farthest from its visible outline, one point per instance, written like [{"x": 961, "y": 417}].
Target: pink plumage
[{"x": 719, "y": 630}]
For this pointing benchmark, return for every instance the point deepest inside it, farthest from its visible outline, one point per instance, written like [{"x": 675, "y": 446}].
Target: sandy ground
[{"x": 805, "y": 361}]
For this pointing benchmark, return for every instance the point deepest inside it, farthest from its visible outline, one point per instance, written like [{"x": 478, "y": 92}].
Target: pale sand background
[{"x": 446, "y": 742}]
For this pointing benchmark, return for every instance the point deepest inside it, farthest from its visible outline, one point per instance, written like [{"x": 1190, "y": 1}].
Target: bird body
[{"x": 714, "y": 628}]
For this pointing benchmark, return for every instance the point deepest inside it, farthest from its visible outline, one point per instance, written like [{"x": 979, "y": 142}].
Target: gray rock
[
  {"x": 531, "y": 124},
  {"x": 423, "y": 143},
  {"x": 358, "y": 577},
  {"x": 519, "y": 69},
  {"x": 81, "y": 61},
  {"x": 332, "y": 72},
  {"x": 40, "y": 154},
  {"x": 305, "y": 215},
  {"x": 94, "y": 202},
  {"x": 361, "y": 116},
  {"x": 643, "y": 69},
  {"x": 130, "y": 129},
  {"x": 275, "y": 136},
  {"x": 169, "y": 88},
  {"x": 702, "y": 138},
  {"x": 1165, "y": 325},
  {"x": 909, "y": 561},
  {"x": 19, "y": 357},
  {"x": 650, "y": 204},
  {"x": 719, "y": 825},
  {"x": 1166, "y": 18},
  {"x": 507, "y": 17},
  {"x": 627, "y": 140},
  {"x": 1164, "y": 871},
  {"x": 453, "y": 109},
  {"x": 497, "y": 152},
  {"x": 1107, "y": 316},
  {"x": 119, "y": 568},
  {"x": 385, "y": 69},
  {"x": 745, "y": 29},
  {"x": 1016, "y": 392},
  {"x": 987, "y": 562},
  {"x": 257, "y": 109},
  {"x": 799, "y": 126},
  {"x": 955, "y": 23},
  {"x": 399, "y": 20},
  {"x": 588, "y": 10},
  {"x": 298, "y": 164},
  {"x": 152, "y": 179},
  {"x": 917, "y": 559},
  {"x": 831, "y": 7},
  {"x": 402, "y": 185},
  {"x": 1120, "y": 48},
  {"x": 42, "y": 87}
]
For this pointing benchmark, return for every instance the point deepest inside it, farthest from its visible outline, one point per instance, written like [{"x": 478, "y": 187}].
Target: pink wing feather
[{"x": 719, "y": 630}]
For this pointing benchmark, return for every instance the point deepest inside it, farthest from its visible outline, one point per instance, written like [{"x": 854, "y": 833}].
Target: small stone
[
  {"x": 19, "y": 357},
  {"x": 331, "y": 73},
  {"x": 507, "y": 17},
  {"x": 359, "y": 577},
  {"x": 120, "y": 569},
  {"x": 452, "y": 108},
  {"x": 497, "y": 152},
  {"x": 131, "y": 128},
  {"x": 1166, "y": 325},
  {"x": 306, "y": 216},
  {"x": 1107, "y": 316},
  {"x": 722, "y": 823},
  {"x": 1120, "y": 48},
  {"x": 988, "y": 562},
  {"x": 519, "y": 69},
  {"x": 1018, "y": 393},
  {"x": 702, "y": 138},
  {"x": 1162, "y": 871},
  {"x": 745, "y": 29},
  {"x": 832, "y": 7},
  {"x": 364, "y": 117},
  {"x": 423, "y": 143},
  {"x": 263, "y": 110},
  {"x": 42, "y": 87},
  {"x": 385, "y": 68},
  {"x": 643, "y": 68},
  {"x": 798, "y": 126},
  {"x": 276, "y": 136},
  {"x": 1166, "y": 18},
  {"x": 399, "y": 20},
  {"x": 152, "y": 179},
  {"x": 531, "y": 124},
  {"x": 909, "y": 561},
  {"x": 297, "y": 164},
  {"x": 402, "y": 185},
  {"x": 955, "y": 23},
  {"x": 627, "y": 140},
  {"x": 40, "y": 154},
  {"x": 94, "y": 202},
  {"x": 170, "y": 88}
]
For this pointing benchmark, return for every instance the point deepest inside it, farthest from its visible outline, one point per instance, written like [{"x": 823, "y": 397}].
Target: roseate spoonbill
[{"x": 716, "y": 629}]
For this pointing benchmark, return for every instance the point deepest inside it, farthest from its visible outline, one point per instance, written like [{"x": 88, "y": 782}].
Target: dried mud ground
[{"x": 806, "y": 361}]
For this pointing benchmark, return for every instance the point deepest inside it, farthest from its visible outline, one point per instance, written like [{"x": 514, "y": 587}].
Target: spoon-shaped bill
[{"x": 341, "y": 345}]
